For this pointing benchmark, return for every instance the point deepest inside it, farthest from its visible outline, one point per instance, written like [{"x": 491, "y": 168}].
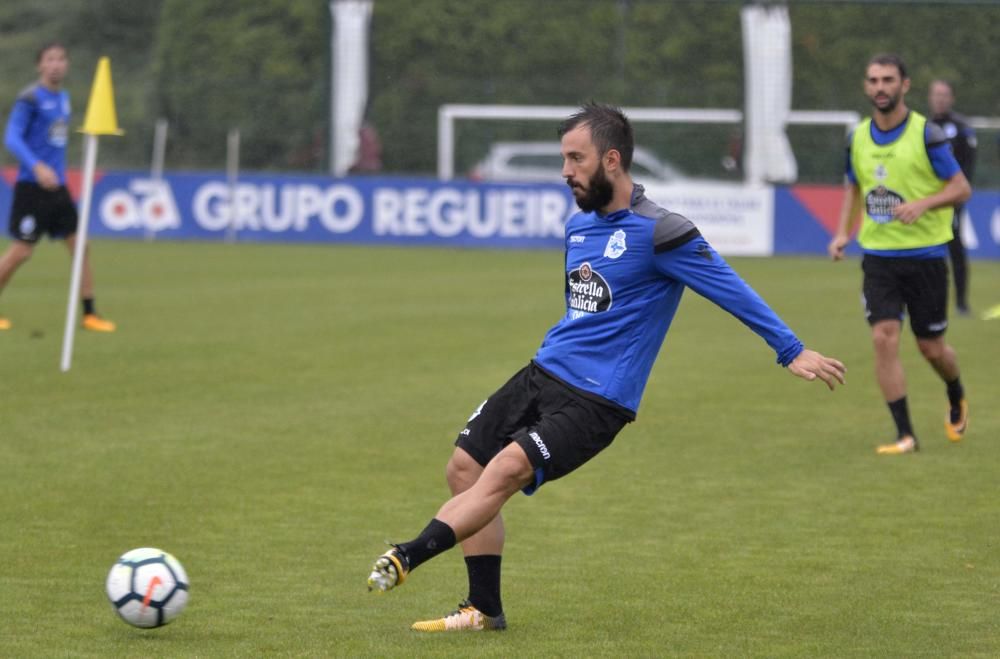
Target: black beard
[
  {"x": 599, "y": 193},
  {"x": 893, "y": 102}
]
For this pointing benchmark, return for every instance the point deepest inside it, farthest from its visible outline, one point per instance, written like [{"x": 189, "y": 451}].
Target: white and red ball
[{"x": 147, "y": 587}]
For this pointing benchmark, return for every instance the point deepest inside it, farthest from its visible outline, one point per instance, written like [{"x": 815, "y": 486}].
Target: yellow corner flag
[{"x": 101, "y": 118}]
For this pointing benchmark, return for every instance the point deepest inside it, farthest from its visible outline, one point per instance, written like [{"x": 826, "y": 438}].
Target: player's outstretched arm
[
  {"x": 810, "y": 365},
  {"x": 850, "y": 217}
]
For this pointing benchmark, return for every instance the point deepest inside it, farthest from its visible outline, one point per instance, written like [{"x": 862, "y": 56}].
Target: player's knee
[
  {"x": 20, "y": 252},
  {"x": 513, "y": 467},
  {"x": 931, "y": 349},
  {"x": 885, "y": 337},
  {"x": 462, "y": 471}
]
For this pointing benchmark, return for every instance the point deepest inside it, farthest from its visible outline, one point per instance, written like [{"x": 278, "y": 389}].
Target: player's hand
[
  {"x": 46, "y": 176},
  {"x": 836, "y": 247},
  {"x": 908, "y": 212},
  {"x": 810, "y": 365}
]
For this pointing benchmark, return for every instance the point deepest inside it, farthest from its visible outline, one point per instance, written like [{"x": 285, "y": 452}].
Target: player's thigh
[
  {"x": 565, "y": 439},
  {"x": 494, "y": 422},
  {"x": 27, "y": 214},
  {"x": 925, "y": 293},
  {"x": 882, "y": 292},
  {"x": 62, "y": 218}
]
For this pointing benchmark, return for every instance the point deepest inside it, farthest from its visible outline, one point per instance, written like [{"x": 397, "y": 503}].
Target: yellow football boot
[
  {"x": 956, "y": 430},
  {"x": 95, "y": 323},
  {"x": 389, "y": 571},
  {"x": 905, "y": 444},
  {"x": 465, "y": 618}
]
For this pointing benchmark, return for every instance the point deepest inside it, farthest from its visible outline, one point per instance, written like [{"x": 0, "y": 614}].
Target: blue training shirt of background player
[
  {"x": 38, "y": 130},
  {"x": 625, "y": 274}
]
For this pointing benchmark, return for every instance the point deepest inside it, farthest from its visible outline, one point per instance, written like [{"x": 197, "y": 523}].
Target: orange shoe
[
  {"x": 467, "y": 617},
  {"x": 95, "y": 323},
  {"x": 905, "y": 444},
  {"x": 4, "y": 323},
  {"x": 956, "y": 430}
]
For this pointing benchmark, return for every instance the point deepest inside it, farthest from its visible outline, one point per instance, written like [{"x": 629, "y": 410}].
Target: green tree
[
  {"x": 560, "y": 52},
  {"x": 263, "y": 67},
  {"x": 120, "y": 29},
  {"x": 260, "y": 67}
]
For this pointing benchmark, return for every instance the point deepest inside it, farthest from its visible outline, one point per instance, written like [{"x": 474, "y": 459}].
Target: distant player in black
[{"x": 962, "y": 138}]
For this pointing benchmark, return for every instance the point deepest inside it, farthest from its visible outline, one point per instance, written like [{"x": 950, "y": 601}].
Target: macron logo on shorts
[{"x": 540, "y": 444}]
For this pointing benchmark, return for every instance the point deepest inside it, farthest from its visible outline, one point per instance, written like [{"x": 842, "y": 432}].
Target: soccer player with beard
[
  {"x": 904, "y": 180},
  {"x": 627, "y": 263}
]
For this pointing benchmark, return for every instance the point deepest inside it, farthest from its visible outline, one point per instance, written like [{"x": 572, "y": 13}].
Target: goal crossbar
[{"x": 449, "y": 113}]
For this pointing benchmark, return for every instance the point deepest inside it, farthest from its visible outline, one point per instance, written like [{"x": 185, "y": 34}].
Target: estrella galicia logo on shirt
[
  {"x": 880, "y": 203},
  {"x": 588, "y": 291},
  {"x": 616, "y": 245}
]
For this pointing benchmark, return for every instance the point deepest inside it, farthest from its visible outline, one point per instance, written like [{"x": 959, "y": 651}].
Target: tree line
[{"x": 264, "y": 67}]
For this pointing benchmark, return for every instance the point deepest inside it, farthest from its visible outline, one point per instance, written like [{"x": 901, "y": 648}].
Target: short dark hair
[
  {"x": 609, "y": 129},
  {"x": 942, "y": 81},
  {"x": 890, "y": 59},
  {"x": 47, "y": 47}
]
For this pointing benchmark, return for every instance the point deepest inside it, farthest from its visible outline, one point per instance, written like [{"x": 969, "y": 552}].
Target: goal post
[{"x": 449, "y": 113}]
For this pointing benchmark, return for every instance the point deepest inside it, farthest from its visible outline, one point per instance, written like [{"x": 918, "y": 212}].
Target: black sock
[
  {"x": 955, "y": 395},
  {"x": 484, "y": 583},
  {"x": 88, "y": 306},
  {"x": 901, "y": 415},
  {"x": 436, "y": 538}
]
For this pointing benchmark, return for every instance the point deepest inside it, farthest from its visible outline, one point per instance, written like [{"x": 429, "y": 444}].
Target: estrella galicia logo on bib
[
  {"x": 588, "y": 291},
  {"x": 881, "y": 202},
  {"x": 616, "y": 245},
  {"x": 27, "y": 225}
]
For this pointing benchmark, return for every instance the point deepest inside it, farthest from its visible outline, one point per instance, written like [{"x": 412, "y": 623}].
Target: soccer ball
[{"x": 147, "y": 587}]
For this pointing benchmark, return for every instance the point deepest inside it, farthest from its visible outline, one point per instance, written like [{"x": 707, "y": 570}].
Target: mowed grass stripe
[{"x": 272, "y": 413}]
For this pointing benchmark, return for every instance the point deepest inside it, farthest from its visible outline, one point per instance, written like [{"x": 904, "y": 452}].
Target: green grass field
[{"x": 272, "y": 414}]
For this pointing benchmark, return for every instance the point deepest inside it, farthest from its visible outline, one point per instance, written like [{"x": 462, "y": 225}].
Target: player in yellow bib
[{"x": 902, "y": 183}]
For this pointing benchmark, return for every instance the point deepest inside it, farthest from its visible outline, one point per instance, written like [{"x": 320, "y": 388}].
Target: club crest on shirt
[{"x": 616, "y": 245}]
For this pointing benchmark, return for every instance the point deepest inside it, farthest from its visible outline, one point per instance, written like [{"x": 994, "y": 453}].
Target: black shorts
[
  {"x": 36, "y": 211},
  {"x": 558, "y": 428},
  {"x": 917, "y": 286}
]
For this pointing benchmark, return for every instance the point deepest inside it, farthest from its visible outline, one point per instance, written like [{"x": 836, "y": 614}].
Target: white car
[{"x": 542, "y": 162}]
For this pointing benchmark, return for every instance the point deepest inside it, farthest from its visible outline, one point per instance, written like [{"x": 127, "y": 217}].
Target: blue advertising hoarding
[
  {"x": 266, "y": 207},
  {"x": 320, "y": 209}
]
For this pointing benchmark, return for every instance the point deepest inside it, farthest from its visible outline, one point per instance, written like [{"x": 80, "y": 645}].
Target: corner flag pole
[{"x": 100, "y": 119}]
